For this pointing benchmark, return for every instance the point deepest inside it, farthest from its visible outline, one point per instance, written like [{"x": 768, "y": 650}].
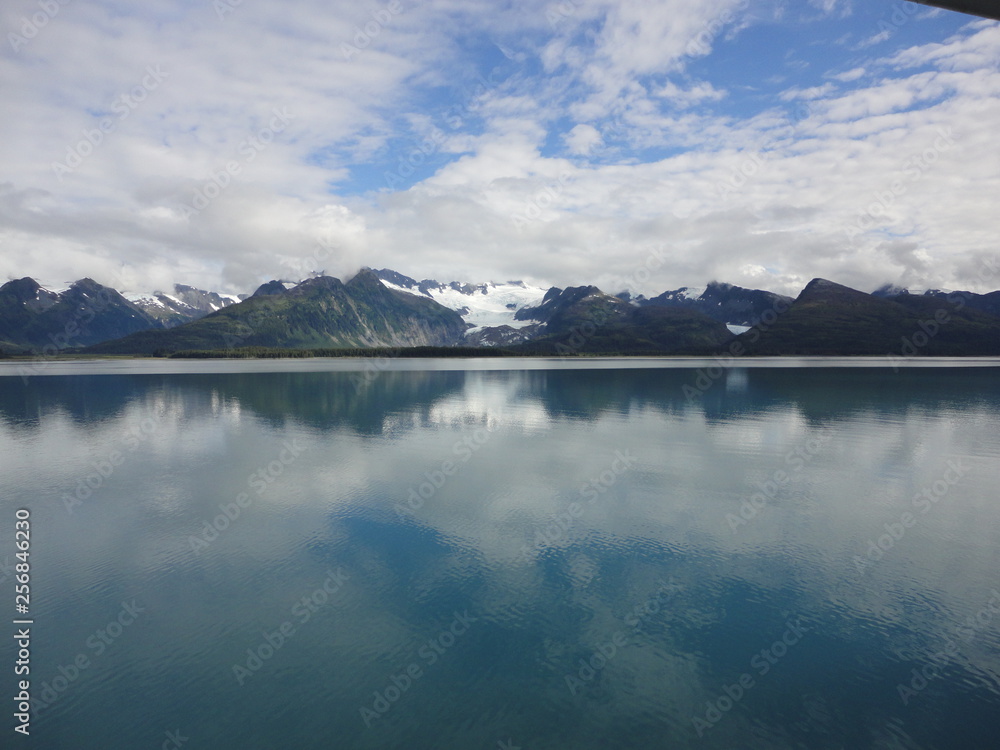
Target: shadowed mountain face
[
  {"x": 321, "y": 312},
  {"x": 35, "y": 318},
  {"x": 387, "y": 309},
  {"x": 831, "y": 319},
  {"x": 724, "y": 302},
  {"x": 986, "y": 303},
  {"x": 586, "y": 320}
]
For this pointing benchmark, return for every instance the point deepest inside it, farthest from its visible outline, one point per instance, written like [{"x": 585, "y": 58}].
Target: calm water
[{"x": 547, "y": 558}]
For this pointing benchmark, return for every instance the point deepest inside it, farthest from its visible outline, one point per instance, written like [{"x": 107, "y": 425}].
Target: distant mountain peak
[
  {"x": 552, "y": 293},
  {"x": 819, "y": 284},
  {"x": 320, "y": 312},
  {"x": 726, "y": 303},
  {"x": 268, "y": 288},
  {"x": 23, "y": 289},
  {"x": 820, "y": 290},
  {"x": 379, "y": 307},
  {"x": 87, "y": 312},
  {"x": 890, "y": 290},
  {"x": 393, "y": 277},
  {"x": 316, "y": 284},
  {"x": 366, "y": 277},
  {"x": 483, "y": 306}
]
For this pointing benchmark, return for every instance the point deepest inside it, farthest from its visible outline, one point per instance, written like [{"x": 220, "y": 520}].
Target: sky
[{"x": 631, "y": 145}]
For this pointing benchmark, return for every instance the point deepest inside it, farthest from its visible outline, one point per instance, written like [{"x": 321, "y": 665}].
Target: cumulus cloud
[
  {"x": 582, "y": 139},
  {"x": 560, "y": 142}
]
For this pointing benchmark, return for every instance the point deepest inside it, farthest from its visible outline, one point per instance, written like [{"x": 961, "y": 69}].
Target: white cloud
[
  {"x": 597, "y": 143},
  {"x": 702, "y": 91},
  {"x": 814, "y": 92},
  {"x": 582, "y": 139},
  {"x": 978, "y": 52},
  {"x": 882, "y": 36},
  {"x": 849, "y": 75}
]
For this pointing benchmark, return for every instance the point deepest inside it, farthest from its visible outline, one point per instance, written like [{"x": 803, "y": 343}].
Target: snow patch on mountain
[
  {"x": 143, "y": 299},
  {"x": 688, "y": 292},
  {"x": 484, "y": 305},
  {"x": 60, "y": 288},
  {"x": 182, "y": 304}
]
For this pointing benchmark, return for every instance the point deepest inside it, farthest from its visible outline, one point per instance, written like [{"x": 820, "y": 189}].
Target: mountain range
[{"x": 386, "y": 309}]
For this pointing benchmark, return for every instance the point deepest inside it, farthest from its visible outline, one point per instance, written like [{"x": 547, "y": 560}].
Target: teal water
[{"x": 546, "y": 558}]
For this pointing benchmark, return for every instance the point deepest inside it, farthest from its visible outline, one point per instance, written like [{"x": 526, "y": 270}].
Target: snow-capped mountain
[
  {"x": 385, "y": 308},
  {"x": 33, "y": 317},
  {"x": 988, "y": 303},
  {"x": 482, "y": 306},
  {"x": 735, "y": 306},
  {"x": 185, "y": 304},
  {"x": 503, "y": 314}
]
